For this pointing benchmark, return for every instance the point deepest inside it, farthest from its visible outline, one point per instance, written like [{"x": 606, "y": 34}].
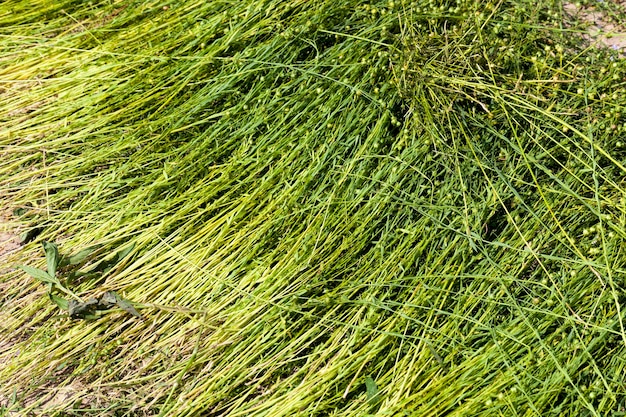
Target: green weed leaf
[
  {"x": 88, "y": 309},
  {"x": 371, "y": 389},
  {"x": 82, "y": 310},
  {"x": 107, "y": 264},
  {"x": 39, "y": 274},
  {"x": 82, "y": 255},
  {"x": 52, "y": 257},
  {"x": 59, "y": 301},
  {"x": 30, "y": 235},
  {"x": 79, "y": 257},
  {"x": 128, "y": 307},
  {"x": 124, "y": 252},
  {"x": 109, "y": 298},
  {"x": 121, "y": 303},
  {"x": 19, "y": 212}
]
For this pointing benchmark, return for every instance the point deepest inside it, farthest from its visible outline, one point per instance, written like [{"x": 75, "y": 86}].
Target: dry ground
[
  {"x": 603, "y": 30},
  {"x": 9, "y": 239}
]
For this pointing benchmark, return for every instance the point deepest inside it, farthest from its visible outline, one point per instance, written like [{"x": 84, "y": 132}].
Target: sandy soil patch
[
  {"x": 9, "y": 244},
  {"x": 9, "y": 240},
  {"x": 603, "y": 30}
]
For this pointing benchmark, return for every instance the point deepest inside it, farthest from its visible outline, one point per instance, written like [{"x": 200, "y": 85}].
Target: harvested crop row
[{"x": 324, "y": 208}]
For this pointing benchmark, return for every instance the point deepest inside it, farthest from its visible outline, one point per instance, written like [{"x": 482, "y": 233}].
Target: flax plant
[{"x": 337, "y": 208}]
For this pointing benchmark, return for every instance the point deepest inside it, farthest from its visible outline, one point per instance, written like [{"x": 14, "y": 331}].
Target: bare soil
[
  {"x": 9, "y": 240},
  {"x": 603, "y": 30}
]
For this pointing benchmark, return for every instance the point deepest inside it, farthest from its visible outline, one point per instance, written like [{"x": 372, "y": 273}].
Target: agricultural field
[{"x": 312, "y": 208}]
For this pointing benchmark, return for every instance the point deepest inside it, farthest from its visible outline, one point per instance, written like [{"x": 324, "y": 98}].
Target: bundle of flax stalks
[{"x": 310, "y": 208}]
